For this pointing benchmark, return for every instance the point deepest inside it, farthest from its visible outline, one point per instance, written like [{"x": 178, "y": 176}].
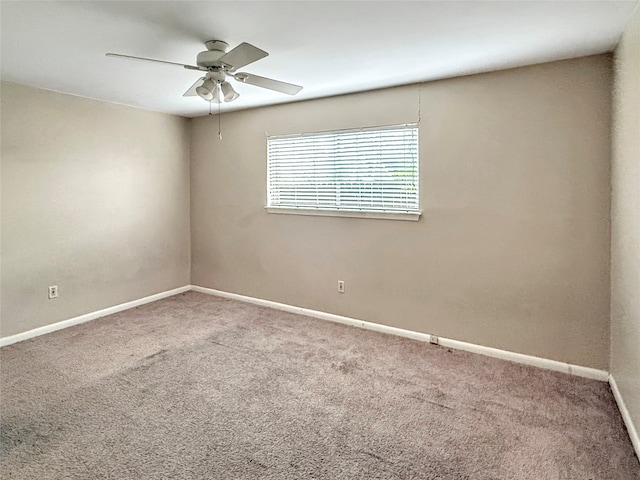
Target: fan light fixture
[
  {"x": 210, "y": 91},
  {"x": 207, "y": 90},
  {"x": 229, "y": 93},
  {"x": 216, "y": 94}
]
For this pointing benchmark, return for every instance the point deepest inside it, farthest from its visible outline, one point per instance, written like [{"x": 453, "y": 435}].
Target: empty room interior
[{"x": 329, "y": 240}]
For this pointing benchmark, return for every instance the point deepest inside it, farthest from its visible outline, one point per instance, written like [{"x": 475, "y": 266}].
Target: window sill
[{"x": 410, "y": 216}]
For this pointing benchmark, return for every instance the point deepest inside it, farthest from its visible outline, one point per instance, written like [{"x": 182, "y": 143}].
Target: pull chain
[{"x": 219, "y": 122}]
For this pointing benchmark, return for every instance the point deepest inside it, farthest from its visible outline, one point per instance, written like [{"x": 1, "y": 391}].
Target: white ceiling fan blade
[
  {"x": 269, "y": 83},
  {"x": 191, "y": 92},
  {"x": 131, "y": 57},
  {"x": 242, "y": 55}
]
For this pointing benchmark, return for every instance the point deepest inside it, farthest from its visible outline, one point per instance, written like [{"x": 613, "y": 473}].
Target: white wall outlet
[
  {"x": 53, "y": 291},
  {"x": 434, "y": 340},
  {"x": 340, "y": 286}
]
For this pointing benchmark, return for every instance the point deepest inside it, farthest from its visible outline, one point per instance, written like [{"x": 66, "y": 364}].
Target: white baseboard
[
  {"x": 424, "y": 337},
  {"x": 571, "y": 369},
  {"x": 89, "y": 316},
  {"x": 626, "y": 416}
]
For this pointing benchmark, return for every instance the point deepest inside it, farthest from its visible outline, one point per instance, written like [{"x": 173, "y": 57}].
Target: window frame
[{"x": 408, "y": 214}]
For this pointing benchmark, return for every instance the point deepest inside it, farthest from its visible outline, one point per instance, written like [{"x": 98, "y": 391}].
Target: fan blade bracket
[{"x": 227, "y": 68}]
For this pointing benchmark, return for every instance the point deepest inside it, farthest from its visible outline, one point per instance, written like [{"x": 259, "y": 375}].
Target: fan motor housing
[
  {"x": 215, "y": 50},
  {"x": 209, "y": 58}
]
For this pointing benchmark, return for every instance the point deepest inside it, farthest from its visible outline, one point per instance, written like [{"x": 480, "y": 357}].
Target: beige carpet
[{"x": 199, "y": 387}]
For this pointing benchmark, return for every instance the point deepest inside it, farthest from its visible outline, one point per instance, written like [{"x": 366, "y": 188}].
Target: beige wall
[
  {"x": 625, "y": 221},
  {"x": 95, "y": 199},
  {"x": 512, "y": 250}
]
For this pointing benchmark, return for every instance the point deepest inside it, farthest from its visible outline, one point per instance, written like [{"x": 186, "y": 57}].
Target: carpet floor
[{"x": 200, "y": 387}]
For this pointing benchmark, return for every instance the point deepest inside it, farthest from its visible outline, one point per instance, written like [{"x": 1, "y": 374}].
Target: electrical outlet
[
  {"x": 53, "y": 291},
  {"x": 340, "y": 286},
  {"x": 434, "y": 340}
]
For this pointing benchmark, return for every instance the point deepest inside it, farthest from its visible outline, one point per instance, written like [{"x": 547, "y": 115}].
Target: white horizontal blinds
[{"x": 373, "y": 169}]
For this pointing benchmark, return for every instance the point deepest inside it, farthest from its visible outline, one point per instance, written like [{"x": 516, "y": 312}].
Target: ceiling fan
[{"x": 221, "y": 64}]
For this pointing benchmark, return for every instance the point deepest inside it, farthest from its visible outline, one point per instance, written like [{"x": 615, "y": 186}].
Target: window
[{"x": 364, "y": 172}]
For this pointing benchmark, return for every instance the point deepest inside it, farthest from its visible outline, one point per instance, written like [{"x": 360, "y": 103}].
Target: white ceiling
[{"x": 330, "y": 48}]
